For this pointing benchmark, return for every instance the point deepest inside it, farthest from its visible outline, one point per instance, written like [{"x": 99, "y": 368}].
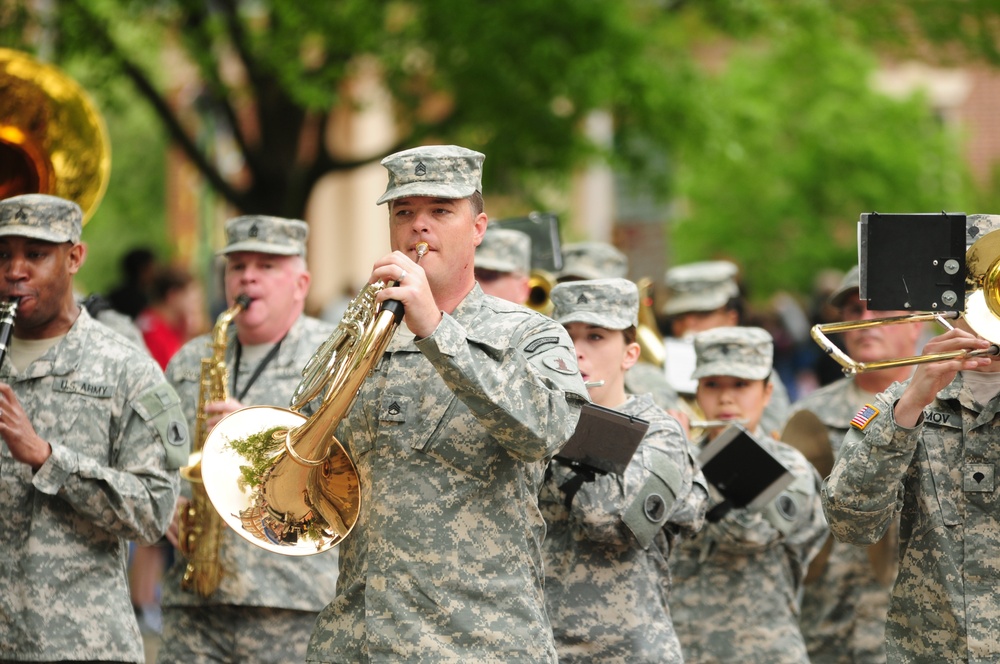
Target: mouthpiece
[
  {"x": 593, "y": 383},
  {"x": 421, "y": 249}
]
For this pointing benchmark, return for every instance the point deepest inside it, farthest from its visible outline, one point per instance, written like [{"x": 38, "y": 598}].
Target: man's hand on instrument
[
  {"x": 216, "y": 410},
  {"x": 931, "y": 378},
  {"x": 420, "y": 310}
]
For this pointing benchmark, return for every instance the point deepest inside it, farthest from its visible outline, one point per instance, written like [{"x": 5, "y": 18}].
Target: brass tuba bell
[
  {"x": 52, "y": 138},
  {"x": 648, "y": 334}
]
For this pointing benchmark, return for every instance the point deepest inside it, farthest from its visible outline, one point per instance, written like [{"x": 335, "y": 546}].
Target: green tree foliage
[
  {"x": 513, "y": 79},
  {"x": 773, "y": 148},
  {"x": 798, "y": 145}
]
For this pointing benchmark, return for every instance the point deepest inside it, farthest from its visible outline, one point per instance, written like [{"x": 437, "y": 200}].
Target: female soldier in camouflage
[
  {"x": 736, "y": 583},
  {"x": 609, "y": 536}
]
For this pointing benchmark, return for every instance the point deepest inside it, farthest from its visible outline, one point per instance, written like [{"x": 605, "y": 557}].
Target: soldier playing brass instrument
[
  {"x": 262, "y": 599},
  {"x": 925, "y": 452},
  {"x": 450, "y": 436}
]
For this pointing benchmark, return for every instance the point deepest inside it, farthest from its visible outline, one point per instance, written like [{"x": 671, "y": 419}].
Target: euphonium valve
[{"x": 282, "y": 480}]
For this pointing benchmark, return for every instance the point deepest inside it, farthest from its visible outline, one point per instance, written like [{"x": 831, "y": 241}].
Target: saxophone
[{"x": 200, "y": 526}]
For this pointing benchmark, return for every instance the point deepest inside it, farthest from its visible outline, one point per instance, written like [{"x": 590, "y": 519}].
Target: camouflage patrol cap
[
  {"x": 592, "y": 260},
  {"x": 504, "y": 250},
  {"x": 704, "y": 286},
  {"x": 267, "y": 235},
  {"x": 742, "y": 352},
  {"x": 41, "y": 217},
  {"x": 441, "y": 171},
  {"x": 851, "y": 283},
  {"x": 609, "y": 303}
]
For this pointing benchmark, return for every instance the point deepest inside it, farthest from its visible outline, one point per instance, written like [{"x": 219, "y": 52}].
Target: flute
[{"x": 711, "y": 424}]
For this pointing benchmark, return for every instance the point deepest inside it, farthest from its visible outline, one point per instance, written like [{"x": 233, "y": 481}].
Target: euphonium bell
[{"x": 283, "y": 481}]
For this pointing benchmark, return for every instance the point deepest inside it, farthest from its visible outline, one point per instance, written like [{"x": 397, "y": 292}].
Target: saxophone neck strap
[{"x": 271, "y": 354}]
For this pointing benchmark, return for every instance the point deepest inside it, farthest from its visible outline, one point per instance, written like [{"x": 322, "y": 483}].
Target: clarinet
[{"x": 8, "y": 310}]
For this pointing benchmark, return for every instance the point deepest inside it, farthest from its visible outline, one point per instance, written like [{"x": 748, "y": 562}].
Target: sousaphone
[{"x": 52, "y": 138}]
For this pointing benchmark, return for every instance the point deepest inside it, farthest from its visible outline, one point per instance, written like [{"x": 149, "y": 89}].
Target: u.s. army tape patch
[{"x": 864, "y": 417}]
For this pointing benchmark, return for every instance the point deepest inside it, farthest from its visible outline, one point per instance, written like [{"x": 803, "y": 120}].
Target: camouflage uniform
[
  {"x": 117, "y": 436},
  {"x": 451, "y": 434},
  {"x": 939, "y": 476},
  {"x": 606, "y": 576},
  {"x": 264, "y": 599},
  {"x": 645, "y": 378},
  {"x": 736, "y": 583},
  {"x": 707, "y": 286},
  {"x": 844, "y": 610}
]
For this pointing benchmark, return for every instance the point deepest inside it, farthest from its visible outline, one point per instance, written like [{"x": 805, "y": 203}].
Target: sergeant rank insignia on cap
[{"x": 864, "y": 417}]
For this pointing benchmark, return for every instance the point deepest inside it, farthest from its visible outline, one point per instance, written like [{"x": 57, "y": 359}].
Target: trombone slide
[{"x": 852, "y": 367}]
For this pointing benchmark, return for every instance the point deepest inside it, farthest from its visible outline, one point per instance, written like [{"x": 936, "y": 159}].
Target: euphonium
[
  {"x": 200, "y": 527},
  {"x": 283, "y": 481}
]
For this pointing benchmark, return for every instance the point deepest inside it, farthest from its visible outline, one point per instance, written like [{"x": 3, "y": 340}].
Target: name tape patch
[{"x": 864, "y": 417}]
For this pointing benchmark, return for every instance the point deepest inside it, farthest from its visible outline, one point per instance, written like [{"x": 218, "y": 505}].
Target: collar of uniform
[
  {"x": 70, "y": 351},
  {"x": 287, "y": 353},
  {"x": 953, "y": 389}
]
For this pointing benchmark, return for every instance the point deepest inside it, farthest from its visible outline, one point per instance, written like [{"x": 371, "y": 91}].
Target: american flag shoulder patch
[{"x": 864, "y": 417}]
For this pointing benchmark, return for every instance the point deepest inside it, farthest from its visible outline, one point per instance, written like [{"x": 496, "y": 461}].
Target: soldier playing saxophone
[{"x": 262, "y": 599}]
